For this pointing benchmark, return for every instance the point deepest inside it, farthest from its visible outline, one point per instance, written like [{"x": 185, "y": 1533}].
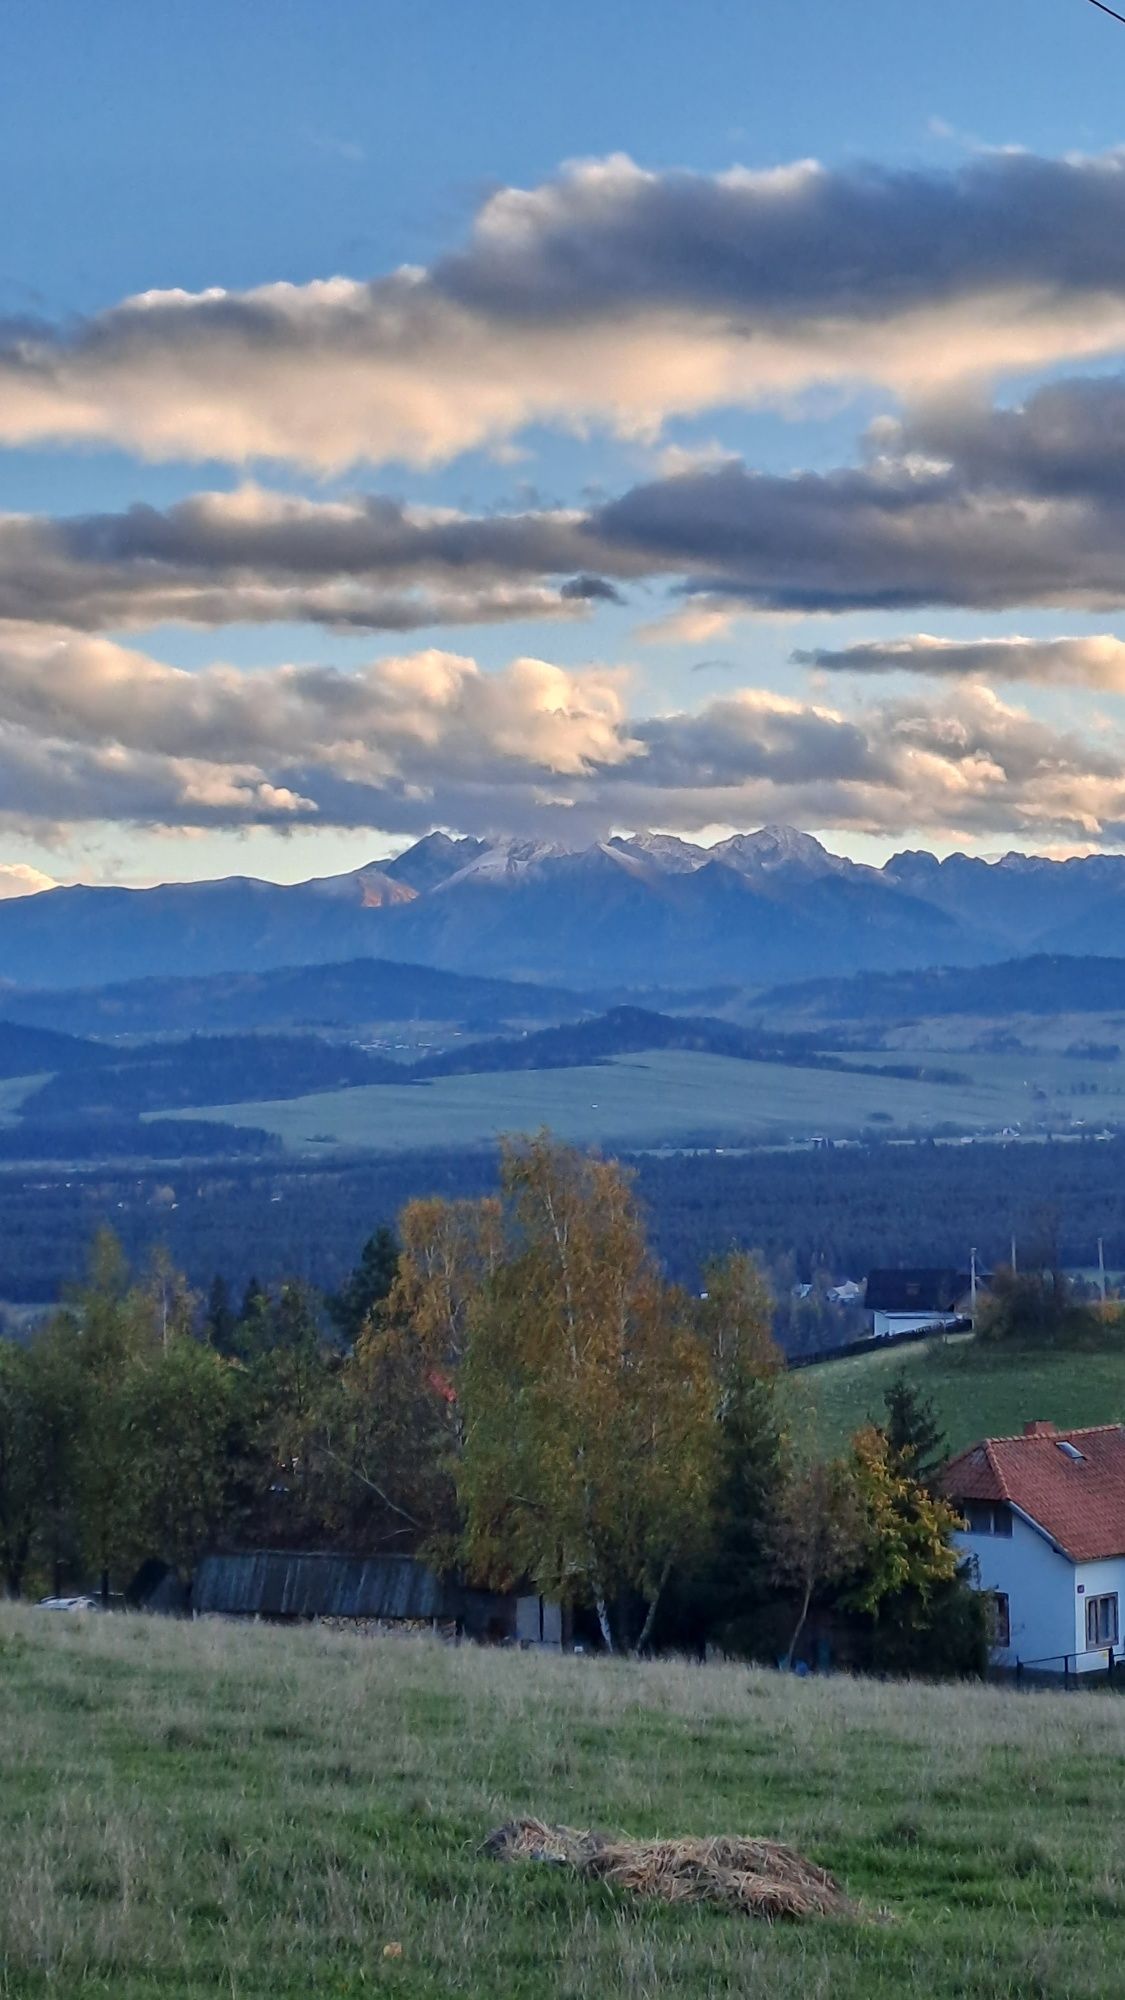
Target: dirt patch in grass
[{"x": 750, "y": 1878}]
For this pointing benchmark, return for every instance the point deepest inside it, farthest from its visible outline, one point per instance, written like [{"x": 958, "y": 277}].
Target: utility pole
[
  {"x": 1101, "y": 1268},
  {"x": 973, "y": 1287},
  {"x": 1015, "y": 1267}
]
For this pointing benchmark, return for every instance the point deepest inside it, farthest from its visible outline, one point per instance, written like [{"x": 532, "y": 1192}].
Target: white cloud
[
  {"x": 16, "y": 879},
  {"x": 610, "y": 296},
  {"x": 103, "y": 732}
]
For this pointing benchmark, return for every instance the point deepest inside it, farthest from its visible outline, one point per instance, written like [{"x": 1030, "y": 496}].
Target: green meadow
[
  {"x": 976, "y": 1391},
  {"x": 675, "y": 1097},
  {"x": 208, "y": 1809}
]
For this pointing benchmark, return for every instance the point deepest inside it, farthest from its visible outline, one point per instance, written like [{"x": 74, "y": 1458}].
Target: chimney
[{"x": 1040, "y": 1427}]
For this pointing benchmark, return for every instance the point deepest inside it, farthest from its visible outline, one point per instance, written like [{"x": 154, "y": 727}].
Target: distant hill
[
  {"x": 1047, "y": 983},
  {"x": 204, "y": 1069},
  {"x": 756, "y": 910},
  {"x": 343, "y": 996},
  {"x": 28, "y": 1051}
]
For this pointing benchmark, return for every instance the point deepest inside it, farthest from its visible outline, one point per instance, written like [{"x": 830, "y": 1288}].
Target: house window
[
  {"x": 1101, "y": 1620},
  {"x": 988, "y": 1517},
  {"x": 1001, "y": 1620}
]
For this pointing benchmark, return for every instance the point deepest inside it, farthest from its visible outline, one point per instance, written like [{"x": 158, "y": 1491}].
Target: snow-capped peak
[{"x": 774, "y": 847}]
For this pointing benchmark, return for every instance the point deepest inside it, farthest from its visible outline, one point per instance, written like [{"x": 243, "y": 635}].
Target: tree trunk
[
  {"x": 800, "y": 1625},
  {"x": 650, "y": 1614},
  {"x": 602, "y": 1609}
]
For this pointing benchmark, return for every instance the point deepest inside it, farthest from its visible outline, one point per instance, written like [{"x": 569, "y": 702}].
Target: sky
[{"x": 531, "y": 421}]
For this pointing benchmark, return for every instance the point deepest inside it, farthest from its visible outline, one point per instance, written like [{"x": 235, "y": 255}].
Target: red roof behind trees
[{"x": 1078, "y": 1500}]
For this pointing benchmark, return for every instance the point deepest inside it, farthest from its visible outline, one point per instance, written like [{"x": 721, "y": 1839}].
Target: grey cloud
[
  {"x": 962, "y": 506},
  {"x": 1094, "y": 662},
  {"x": 254, "y": 557},
  {"x": 591, "y": 589}
]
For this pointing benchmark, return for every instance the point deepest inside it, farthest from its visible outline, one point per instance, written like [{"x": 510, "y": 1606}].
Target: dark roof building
[
  {"x": 273, "y": 1583},
  {"x": 921, "y": 1290}
]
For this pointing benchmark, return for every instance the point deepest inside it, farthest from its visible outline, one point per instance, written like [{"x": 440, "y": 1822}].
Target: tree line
[{"x": 512, "y": 1390}]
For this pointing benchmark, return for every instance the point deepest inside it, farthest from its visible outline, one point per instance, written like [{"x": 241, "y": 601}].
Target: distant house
[
  {"x": 916, "y": 1301},
  {"x": 847, "y": 1294},
  {"x": 1045, "y": 1517},
  {"x": 365, "y": 1593}
]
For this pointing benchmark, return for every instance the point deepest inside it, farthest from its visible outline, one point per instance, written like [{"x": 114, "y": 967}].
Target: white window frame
[
  {"x": 1001, "y": 1619},
  {"x": 1103, "y": 1620}
]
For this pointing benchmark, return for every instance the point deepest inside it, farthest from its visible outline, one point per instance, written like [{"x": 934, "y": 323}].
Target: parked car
[{"x": 69, "y": 1604}]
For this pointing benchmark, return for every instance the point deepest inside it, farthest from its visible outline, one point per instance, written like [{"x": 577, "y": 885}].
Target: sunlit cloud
[{"x": 612, "y": 296}]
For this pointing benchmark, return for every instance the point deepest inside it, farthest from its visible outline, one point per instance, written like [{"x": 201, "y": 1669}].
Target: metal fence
[{"x": 1073, "y": 1673}]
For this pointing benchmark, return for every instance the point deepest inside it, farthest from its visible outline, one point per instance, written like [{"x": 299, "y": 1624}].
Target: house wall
[
  {"x": 907, "y": 1322},
  {"x": 1039, "y": 1584},
  {"x": 1098, "y": 1580}
]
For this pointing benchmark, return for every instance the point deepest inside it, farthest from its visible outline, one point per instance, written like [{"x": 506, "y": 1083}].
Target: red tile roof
[{"x": 1079, "y": 1502}]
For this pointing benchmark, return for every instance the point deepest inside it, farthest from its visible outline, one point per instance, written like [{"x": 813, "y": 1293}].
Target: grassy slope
[
  {"x": 975, "y": 1392},
  {"x": 187, "y": 1810}
]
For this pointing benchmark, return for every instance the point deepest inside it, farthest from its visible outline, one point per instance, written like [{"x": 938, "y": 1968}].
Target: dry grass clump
[{"x": 751, "y": 1878}]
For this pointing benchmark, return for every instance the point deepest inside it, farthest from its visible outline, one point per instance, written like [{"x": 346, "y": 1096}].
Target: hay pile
[{"x": 752, "y": 1878}]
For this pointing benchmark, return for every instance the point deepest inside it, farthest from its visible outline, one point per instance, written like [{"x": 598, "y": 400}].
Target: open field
[
  {"x": 13, "y": 1090},
  {"x": 672, "y": 1097},
  {"x": 976, "y": 1392},
  {"x": 1045, "y": 1085},
  {"x": 207, "y": 1809}
]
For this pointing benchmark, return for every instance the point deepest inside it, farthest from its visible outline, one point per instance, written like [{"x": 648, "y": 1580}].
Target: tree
[
  {"x": 108, "y": 1326},
  {"x": 352, "y": 1307},
  {"x": 21, "y": 1467},
  {"x": 906, "y": 1530},
  {"x": 180, "y": 1418},
  {"x": 220, "y": 1322},
  {"x": 1036, "y": 1307},
  {"x": 734, "y": 1319},
  {"x": 917, "y": 1443},
  {"x": 289, "y": 1370},
  {"x": 587, "y": 1401},
  {"x": 816, "y": 1533},
  {"x": 912, "y": 1582}
]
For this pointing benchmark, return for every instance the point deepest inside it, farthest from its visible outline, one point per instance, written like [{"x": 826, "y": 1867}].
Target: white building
[
  {"x": 1046, "y": 1532},
  {"x": 916, "y": 1301}
]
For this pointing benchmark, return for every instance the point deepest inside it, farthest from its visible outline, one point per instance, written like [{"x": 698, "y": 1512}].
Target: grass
[
  {"x": 209, "y": 1809},
  {"x": 671, "y": 1097},
  {"x": 976, "y": 1391}
]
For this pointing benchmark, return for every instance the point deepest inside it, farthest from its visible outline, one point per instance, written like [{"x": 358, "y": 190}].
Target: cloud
[
  {"x": 959, "y": 505},
  {"x": 105, "y": 732},
  {"x": 1097, "y": 662},
  {"x": 18, "y": 880},
  {"x": 255, "y": 557},
  {"x": 608, "y": 295}
]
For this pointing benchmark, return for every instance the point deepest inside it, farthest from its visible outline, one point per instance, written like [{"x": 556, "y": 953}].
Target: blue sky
[{"x": 199, "y": 147}]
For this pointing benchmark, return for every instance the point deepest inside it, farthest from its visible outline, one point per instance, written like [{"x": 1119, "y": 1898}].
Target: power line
[{"x": 1111, "y": 11}]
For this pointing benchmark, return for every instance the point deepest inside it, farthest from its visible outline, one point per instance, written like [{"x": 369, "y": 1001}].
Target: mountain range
[{"x": 651, "y": 909}]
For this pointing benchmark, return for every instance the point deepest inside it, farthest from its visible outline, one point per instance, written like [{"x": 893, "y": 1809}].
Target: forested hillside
[
  {"x": 1042, "y": 984},
  {"x": 877, "y": 1204}
]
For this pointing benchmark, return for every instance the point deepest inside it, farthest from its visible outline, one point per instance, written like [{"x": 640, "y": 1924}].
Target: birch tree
[{"x": 588, "y": 1442}]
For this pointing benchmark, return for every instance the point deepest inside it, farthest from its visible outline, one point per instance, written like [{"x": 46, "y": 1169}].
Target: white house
[
  {"x": 918, "y": 1301},
  {"x": 1046, "y": 1532}
]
